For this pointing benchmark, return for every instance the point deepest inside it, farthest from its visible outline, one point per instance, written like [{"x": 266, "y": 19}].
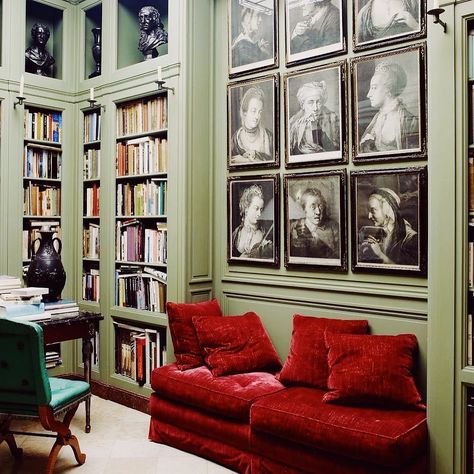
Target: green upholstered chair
[{"x": 27, "y": 391}]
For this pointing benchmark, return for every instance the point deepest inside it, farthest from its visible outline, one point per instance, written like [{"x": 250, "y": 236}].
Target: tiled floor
[{"x": 117, "y": 444}]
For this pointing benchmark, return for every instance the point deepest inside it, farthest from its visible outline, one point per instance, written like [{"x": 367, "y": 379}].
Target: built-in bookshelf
[
  {"x": 91, "y": 156},
  {"x": 470, "y": 196}
]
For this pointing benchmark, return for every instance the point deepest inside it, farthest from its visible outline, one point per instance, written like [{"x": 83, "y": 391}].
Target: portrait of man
[
  {"x": 252, "y": 35},
  {"x": 313, "y": 28},
  {"x": 252, "y": 130},
  {"x": 314, "y": 107},
  {"x": 389, "y": 104},
  {"x": 253, "y": 219},
  {"x": 152, "y": 32},
  {"x": 385, "y": 20},
  {"x": 389, "y": 218},
  {"x": 314, "y": 206}
]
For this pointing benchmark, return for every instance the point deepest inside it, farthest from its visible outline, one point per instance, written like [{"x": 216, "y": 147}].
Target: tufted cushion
[
  {"x": 372, "y": 370},
  {"x": 307, "y": 359},
  {"x": 64, "y": 391},
  {"x": 183, "y": 335},
  {"x": 299, "y": 415},
  {"x": 229, "y": 396},
  {"x": 236, "y": 344}
]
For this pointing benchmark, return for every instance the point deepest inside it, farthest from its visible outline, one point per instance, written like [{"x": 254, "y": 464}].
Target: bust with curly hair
[
  {"x": 153, "y": 32},
  {"x": 37, "y": 59}
]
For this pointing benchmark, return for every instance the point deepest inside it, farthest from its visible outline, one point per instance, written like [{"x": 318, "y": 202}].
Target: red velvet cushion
[
  {"x": 236, "y": 344},
  {"x": 307, "y": 359},
  {"x": 372, "y": 369},
  {"x": 185, "y": 343}
]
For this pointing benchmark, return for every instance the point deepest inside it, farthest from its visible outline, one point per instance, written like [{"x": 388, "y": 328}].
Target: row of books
[
  {"x": 92, "y": 127},
  {"x": 136, "y": 243},
  {"x": 29, "y": 236},
  {"x": 91, "y": 285},
  {"x": 91, "y": 241},
  {"x": 43, "y": 126},
  {"x": 469, "y": 339},
  {"x": 91, "y": 168},
  {"x": 138, "y": 351},
  {"x": 41, "y": 200},
  {"x": 142, "y": 116},
  {"x": 145, "y": 155},
  {"x": 41, "y": 163},
  {"x": 91, "y": 200},
  {"x": 142, "y": 199}
]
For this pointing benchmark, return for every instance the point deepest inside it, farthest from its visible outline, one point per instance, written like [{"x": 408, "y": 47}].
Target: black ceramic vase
[
  {"x": 96, "y": 51},
  {"x": 46, "y": 269}
]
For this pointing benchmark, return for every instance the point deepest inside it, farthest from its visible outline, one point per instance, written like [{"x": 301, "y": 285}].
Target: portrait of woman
[
  {"x": 387, "y": 20},
  {"x": 252, "y": 106},
  {"x": 315, "y": 219},
  {"x": 315, "y": 115},
  {"x": 253, "y": 219},
  {"x": 389, "y": 95},
  {"x": 252, "y": 38}
]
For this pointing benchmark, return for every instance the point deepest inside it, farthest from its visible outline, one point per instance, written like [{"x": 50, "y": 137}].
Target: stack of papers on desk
[{"x": 62, "y": 309}]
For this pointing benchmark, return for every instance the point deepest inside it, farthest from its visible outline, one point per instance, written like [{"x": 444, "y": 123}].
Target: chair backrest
[{"x": 24, "y": 382}]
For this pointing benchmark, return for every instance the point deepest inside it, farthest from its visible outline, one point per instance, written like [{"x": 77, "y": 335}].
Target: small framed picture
[
  {"x": 253, "y": 40},
  {"x": 315, "y": 119},
  {"x": 389, "y": 222},
  {"x": 253, "y": 219},
  {"x": 315, "y": 29},
  {"x": 377, "y": 22},
  {"x": 389, "y": 106},
  {"x": 252, "y": 123},
  {"x": 315, "y": 220}
]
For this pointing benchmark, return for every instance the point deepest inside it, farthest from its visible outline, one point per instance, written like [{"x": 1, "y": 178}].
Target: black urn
[
  {"x": 46, "y": 269},
  {"x": 96, "y": 51}
]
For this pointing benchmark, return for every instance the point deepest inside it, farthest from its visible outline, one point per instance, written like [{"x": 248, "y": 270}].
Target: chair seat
[{"x": 65, "y": 391}]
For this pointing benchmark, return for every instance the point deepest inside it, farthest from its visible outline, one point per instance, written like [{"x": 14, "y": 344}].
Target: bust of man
[
  {"x": 152, "y": 33},
  {"x": 38, "y": 60}
]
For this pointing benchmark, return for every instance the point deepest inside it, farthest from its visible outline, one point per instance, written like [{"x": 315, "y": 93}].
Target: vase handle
[
  {"x": 60, "y": 244},
  {"x": 33, "y": 251}
]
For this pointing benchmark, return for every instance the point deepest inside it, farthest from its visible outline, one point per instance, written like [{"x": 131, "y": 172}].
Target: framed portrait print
[
  {"x": 253, "y": 38},
  {"x": 389, "y": 223},
  {"x": 315, "y": 220},
  {"x": 315, "y": 116},
  {"x": 377, "y": 22},
  {"x": 388, "y": 93},
  {"x": 315, "y": 29},
  {"x": 253, "y": 219},
  {"x": 252, "y": 123}
]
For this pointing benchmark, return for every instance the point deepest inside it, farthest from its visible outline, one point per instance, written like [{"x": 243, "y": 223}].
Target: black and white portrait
[
  {"x": 252, "y": 35},
  {"x": 389, "y": 105},
  {"x": 252, "y": 123},
  {"x": 253, "y": 219},
  {"x": 315, "y": 116},
  {"x": 389, "y": 220},
  {"x": 315, "y": 219},
  {"x": 387, "y": 21},
  {"x": 314, "y": 28}
]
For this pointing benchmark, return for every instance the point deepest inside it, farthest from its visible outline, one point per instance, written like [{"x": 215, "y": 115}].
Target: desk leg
[{"x": 86, "y": 359}]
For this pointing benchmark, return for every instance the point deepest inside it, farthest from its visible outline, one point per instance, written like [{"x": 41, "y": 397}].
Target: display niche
[
  {"x": 129, "y": 50},
  {"x": 52, "y": 19},
  {"x": 93, "y": 41}
]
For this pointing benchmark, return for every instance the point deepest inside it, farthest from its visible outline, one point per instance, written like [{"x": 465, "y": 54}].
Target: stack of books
[
  {"x": 24, "y": 304},
  {"x": 8, "y": 283},
  {"x": 62, "y": 309}
]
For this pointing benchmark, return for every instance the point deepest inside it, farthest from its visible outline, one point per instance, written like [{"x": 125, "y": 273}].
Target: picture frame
[
  {"x": 389, "y": 105},
  {"x": 253, "y": 109},
  {"x": 252, "y": 36},
  {"x": 253, "y": 223},
  {"x": 316, "y": 220},
  {"x": 315, "y": 116},
  {"x": 389, "y": 221},
  {"x": 314, "y": 30},
  {"x": 396, "y": 22}
]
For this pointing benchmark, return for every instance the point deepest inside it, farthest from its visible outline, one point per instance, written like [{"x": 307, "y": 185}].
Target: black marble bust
[
  {"x": 152, "y": 34},
  {"x": 37, "y": 58}
]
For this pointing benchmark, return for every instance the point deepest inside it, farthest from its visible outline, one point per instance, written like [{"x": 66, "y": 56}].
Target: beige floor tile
[{"x": 127, "y": 465}]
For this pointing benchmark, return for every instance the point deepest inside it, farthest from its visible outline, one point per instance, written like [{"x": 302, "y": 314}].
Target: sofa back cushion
[
  {"x": 236, "y": 344},
  {"x": 185, "y": 342},
  {"x": 372, "y": 370},
  {"x": 307, "y": 359}
]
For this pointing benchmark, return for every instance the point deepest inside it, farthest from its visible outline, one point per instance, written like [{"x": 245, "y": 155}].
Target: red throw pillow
[
  {"x": 185, "y": 342},
  {"x": 236, "y": 344},
  {"x": 307, "y": 359},
  {"x": 367, "y": 370}
]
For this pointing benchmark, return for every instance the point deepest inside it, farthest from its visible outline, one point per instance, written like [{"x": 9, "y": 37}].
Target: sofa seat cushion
[
  {"x": 385, "y": 437},
  {"x": 229, "y": 396}
]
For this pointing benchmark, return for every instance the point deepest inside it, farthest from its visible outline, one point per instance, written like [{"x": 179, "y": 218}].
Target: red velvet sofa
[{"x": 252, "y": 423}]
